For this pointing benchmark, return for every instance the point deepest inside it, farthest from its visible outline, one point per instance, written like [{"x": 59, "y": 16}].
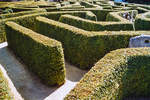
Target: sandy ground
[{"x": 29, "y": 86}]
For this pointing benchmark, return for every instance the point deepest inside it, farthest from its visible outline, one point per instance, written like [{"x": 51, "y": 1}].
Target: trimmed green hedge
[
  {"x": 72, "y": 7},
  {"x": 42, "y": 55},
  {"x": 95, "y": 26},
  {"x": 50, "y": 9},
  {"x": 139, "y": 1},
  {"x": 19, "y": 9},
  {"x": 3, "y": 16},
  {"x": 142, "y": 10},
  {"x": 5, "y": 92},
  {"x": 100, "y": 13},
  {"x": 89, "y": 5},
  {"x": 117, "y": 16},
  {"x": 142, "y": 21},
  {"x": 121, "y": 73},
  {"x": 2, "y": 38},
  {"x": 28, "y": 21},
  {"x": 83, "y": 48}
]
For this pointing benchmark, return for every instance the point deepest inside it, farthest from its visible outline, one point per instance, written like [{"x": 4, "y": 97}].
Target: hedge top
[
  {"x": 96, "y": 22},
  {"x": 37, "y": 37},
  {"x": 145, "y": 16},
  {"x": 62, "y": 25},
  {"x": 45, "y": 14},
  {"x": 3, "y": 16}
]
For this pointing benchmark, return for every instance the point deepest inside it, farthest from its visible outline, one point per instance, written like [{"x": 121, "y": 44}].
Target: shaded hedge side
[
  {"x": 83, "y": 48},
  {"x": 42, "y": 55},
  {"x": 89, "y": 5},
  {"x": 100, "y": 13},
  {"x": 28, "y": 21},
  {"x": 139, "y": 1},
  {"x": 142, "y": 21},
  {"x": 19, "y": 9},
  {"x": 121, "y": 73},
  {"x": 95, "y": 26},
  {"x": 4, "y": 16}
]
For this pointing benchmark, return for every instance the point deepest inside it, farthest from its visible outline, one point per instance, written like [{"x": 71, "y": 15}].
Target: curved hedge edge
[
  {"x": 90, "y": 16},
  {"x": 89, "y": 5},
  {"x": 7, "y": 90},
  {"x": 142, "y": 21},
  {"x": 115, "y": 76},
  {"x": 42, "y": 55},
  {"x": 95, "y": 26}
]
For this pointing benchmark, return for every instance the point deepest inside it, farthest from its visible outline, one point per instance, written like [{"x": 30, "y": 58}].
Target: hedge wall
[
  {"x": 28, "y": 21},
  {"x": 2, "y": 38},
  {"x": 139, "y": 1},
  {"x": 89, "y": 5},
  {"x": 95, "y": 26},
  {"x": 3, "y": 16},
  {"x": 121, "y": 73},
  {"x": 141, "y": 10},
  {"x": 50, "y": 9},
  {"x": 5, "y": 92},
  {"x": 83, "y": 48},
  {"x": 72, "y": 7},
  {"x": 18, "y": 9},
  {"x": 142, "y": 21},
  {"x": 42, "y": 55},
  {"x": 100, "y": 13},
  {"x": 117, "y": 16}
]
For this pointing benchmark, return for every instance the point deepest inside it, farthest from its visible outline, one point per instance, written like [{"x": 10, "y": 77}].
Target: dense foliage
[
  {"x": 121, "y": 73},
  {"x": 80, "y": 45},
  {"x": 139, "y": 1},
  {"x": 42, "y": 55}
]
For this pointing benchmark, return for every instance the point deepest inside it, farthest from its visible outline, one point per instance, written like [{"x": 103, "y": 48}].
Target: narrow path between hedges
[{"x": 28, "y": 85}]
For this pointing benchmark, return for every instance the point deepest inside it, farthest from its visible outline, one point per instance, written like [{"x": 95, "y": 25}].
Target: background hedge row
[
  {"x": 142, "y": 21},
  {"x": 139, "y": 1},
  {"x": 4, "y": 16},
  {"x": 100, "y": 13},
  {"x": 121, "y": 73},
  {"x": 95, "y": 26},
  {"x": 42, "y": 55},
  {"x": 28, "y": 21},
  {"x": 83, "y": 48}
]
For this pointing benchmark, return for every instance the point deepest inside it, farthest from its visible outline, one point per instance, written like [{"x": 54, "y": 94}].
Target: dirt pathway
[{"x": 28, "y": 85}]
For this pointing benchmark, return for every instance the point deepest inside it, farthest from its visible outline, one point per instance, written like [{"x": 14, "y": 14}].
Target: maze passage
[{"x": 86, "y": 34}]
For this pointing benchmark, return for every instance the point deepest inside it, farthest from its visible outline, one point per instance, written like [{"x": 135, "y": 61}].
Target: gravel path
[{"x": 29, "y": 86}]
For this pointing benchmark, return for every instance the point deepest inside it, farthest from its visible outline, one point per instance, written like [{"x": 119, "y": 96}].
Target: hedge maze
[{"x": 85, "y": 33}]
